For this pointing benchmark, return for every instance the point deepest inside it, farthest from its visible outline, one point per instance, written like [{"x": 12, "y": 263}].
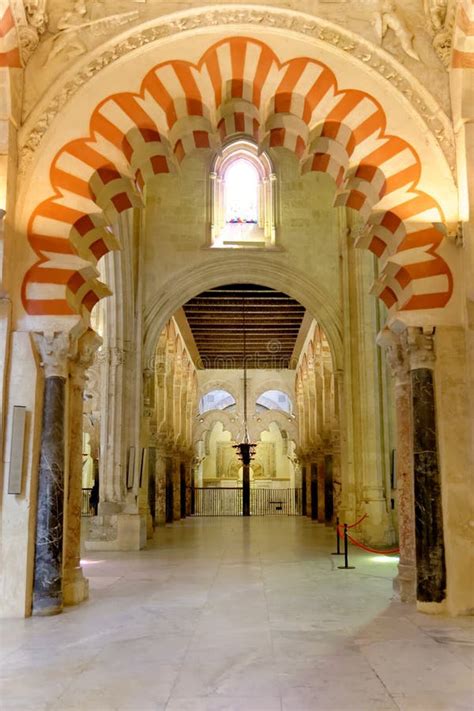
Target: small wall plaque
[{"x": 17, "y": 444}]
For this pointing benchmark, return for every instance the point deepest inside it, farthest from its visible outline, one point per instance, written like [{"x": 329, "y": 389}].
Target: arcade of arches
[{"x": 176, "y": 181}]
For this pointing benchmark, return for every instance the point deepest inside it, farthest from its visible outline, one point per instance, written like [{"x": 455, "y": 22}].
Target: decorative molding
[{"x": 315, "y": 28}]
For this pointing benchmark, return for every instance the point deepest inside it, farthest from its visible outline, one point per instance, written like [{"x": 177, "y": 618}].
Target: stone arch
[
  {"x": 272, "y": 384},
  {"x": 207, "y": 422},
  {"x": 218, "y": 384},
  {"x": 262, "y": 422},
  {"x": 242, "y": 268},
  {"x": 301, "y": 106}
]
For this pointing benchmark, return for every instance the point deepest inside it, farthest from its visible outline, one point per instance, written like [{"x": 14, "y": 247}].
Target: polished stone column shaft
[
  {"x": 47, "y": 578},
  {"x": 76, "y": 586},
  {"x": 314, "y": 491},
  {"x": 246, "y": 489},
  {"x": 321, "y": 489},
  {"x": 430, "y": 555}
]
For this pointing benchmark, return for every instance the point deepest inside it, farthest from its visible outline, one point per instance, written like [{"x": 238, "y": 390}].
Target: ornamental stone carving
[
  {"x": 390, "y": 18},
  {"x": 31, "y": 22},
  {"x": 440, "y": 15},
  {"x": 54, "y": 351},
  {"x": 421, "y": 347},
  {"x": 396, "y": 353},
  {"x": 84, "y": 357}
]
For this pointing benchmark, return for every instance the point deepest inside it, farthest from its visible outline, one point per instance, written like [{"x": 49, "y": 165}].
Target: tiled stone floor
[{"x": 238, "y": 615}]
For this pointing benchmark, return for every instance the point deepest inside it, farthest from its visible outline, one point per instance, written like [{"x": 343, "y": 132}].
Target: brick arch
[{"x": 238, "y": 86}]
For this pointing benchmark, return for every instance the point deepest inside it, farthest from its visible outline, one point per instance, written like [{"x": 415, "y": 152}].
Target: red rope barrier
[
  {"x": 357, "y": 543},
  {"x": 353, "y": 525},
  {"x": 372, "y": 550}
]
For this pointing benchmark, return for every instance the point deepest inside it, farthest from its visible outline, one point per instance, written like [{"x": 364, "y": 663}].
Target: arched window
[
  {"x": 216, "y": 400},
  {"x": 241, "y": 184},
  {"x": 242, "y": 197},
  {"x": 275, "y": 400}
]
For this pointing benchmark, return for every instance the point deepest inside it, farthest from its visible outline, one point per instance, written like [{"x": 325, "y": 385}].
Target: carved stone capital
[
  {"x": 116, "y": 356},
  {"x": 54, "y": 352},
  {"x": 421, "y": 347},
  {"x": 396, "y": 353},
  {"x": 87, "y": 347}
]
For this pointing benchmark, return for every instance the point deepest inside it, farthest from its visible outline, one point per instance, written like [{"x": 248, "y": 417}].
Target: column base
[
  {"x": 431, "y": 608},
  {"x": 46, "y": 606},
  {"x": 149, "y": 526},
  {"x": 377, "y": 529},
  {"x": 122, "y": 532},
  {"x": 404, "y": 584},
  {"x": 75, "y": 587},
  {"x": 407, "y": 582}
]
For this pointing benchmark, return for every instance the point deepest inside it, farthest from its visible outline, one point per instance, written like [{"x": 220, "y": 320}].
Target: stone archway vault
[{"x": 242, "y": 268}]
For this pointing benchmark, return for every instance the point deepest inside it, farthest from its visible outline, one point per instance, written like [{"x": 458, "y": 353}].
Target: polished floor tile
[{"x": 238, "y": 615}]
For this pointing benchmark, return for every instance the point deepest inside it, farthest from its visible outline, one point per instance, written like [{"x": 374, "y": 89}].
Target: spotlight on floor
[{"x": 385, "y": 558}]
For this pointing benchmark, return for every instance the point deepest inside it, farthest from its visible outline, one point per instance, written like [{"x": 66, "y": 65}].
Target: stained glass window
[{"x": 241, "y": 192}]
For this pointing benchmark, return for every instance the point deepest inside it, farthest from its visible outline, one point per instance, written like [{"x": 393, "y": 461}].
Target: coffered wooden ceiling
[{"x": 272, "y": 323}]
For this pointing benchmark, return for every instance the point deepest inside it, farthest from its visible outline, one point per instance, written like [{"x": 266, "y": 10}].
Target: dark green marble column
[
  {"x": 47, "y": 580},
  {"x": 430, "y": 556}
]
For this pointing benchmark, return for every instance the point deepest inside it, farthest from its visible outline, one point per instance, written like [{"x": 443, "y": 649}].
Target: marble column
[
  {"x": 304, "y": 476},
  {"x": 430, "y": 556},
  {"x": 189, "y": 484},
  {"x": 336, "y": 475},
  {"x": 176, "y": 487},
  {"x": 396, "y": 351},
  {"x": 160, "y": 487},
  {"x": 75, "y": 585},
  {"x": 314, "y": 491},
  {"x": 245, "y": 489},
  {"x": 47, "y": 577},
  {"x": 321, "y": 488}
]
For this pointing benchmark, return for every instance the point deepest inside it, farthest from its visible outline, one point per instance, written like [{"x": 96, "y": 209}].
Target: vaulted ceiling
[{"x": 220, "y": 317}]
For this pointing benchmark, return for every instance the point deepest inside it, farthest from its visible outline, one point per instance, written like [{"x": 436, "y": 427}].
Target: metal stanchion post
[
  {"x": 346, "y": 561},
  {"x": 338, "y": 540}
]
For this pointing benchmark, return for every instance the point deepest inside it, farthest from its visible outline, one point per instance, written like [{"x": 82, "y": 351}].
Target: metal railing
[
  {"x": 217, "y": 501},
  {"x": 214, "y": 501},
  {"x": 85, "y": 508},
  {"x": 268, "y": 502}
]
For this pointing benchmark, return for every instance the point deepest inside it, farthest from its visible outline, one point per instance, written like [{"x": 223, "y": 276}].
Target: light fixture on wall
[{"x": 245, "y": 449}]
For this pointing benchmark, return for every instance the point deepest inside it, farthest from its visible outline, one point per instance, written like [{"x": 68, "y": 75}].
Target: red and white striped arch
[
  {"x": 9, "y": 48},
  {"x": 239, "y": 86}
]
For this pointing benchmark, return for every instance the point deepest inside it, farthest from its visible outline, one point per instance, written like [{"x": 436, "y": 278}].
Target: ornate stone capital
[
  {"x": 54, "y": 352},
  {"x": 421, "y": 347},
  {"x": 116, "y": 356},
  {"x": 87, "y": 346},
  {"x": 396, "y": 352}
]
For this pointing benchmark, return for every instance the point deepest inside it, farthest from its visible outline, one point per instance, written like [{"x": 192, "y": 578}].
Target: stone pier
[{"x": 75, "y": 585}]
